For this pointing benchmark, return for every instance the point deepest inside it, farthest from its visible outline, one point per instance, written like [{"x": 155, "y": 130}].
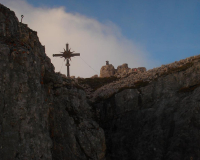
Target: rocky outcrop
[
  {"x": 43, "y": 115},
  {"x": 95, "y": 76},
  {"x": 24, "y": 131},
  {"x": 140, "y": 79},
  {"x": 122, "y": 71},
  {"x": 107, "y": 71},
  {"x": 74, "y": 133},
  {"x": 154, "y": 115}
]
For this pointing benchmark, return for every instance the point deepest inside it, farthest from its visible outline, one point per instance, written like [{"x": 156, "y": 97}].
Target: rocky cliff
[
  {"x": 44, "y": 115},
  {"x": 152, "y": 115}
]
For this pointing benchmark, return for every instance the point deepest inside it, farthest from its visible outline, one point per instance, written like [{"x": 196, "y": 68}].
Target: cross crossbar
[
  {"x": 75, "y": 54},
  {"x": 67, "y": 54}
]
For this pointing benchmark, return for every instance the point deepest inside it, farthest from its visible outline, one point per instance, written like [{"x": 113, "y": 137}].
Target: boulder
[
  {"x": 95, "y": 76},
  {"x": 123, "y": 69},
  {"x": 107, "y": 71}
]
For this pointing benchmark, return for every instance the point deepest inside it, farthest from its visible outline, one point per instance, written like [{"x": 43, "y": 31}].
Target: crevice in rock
[
  {"x": 140, "y": 98},
  {"x": 77, "y": 140},
  {"x": 17, "y": 155}
]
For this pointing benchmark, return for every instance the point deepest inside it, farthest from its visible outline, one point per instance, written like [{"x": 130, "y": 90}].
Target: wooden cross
[{"x": 67, "y": 54}]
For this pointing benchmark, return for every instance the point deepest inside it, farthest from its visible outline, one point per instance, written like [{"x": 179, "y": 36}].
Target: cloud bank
[{"x": 96, "y": 42}]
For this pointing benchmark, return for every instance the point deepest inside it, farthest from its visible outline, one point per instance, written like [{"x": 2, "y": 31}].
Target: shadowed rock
[
  {"x": 142, "y": 115},
  {"x": 42, "y": 113}
]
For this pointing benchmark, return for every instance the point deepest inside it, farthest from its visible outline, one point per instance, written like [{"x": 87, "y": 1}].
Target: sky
[{"x": 141, "y": 33}]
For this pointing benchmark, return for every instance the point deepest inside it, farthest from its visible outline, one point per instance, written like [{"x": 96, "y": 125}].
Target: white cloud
[{"x": 96, "y": 42}]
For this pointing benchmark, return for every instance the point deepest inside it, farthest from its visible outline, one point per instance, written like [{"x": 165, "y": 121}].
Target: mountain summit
[{"x": 130, "y": 115}]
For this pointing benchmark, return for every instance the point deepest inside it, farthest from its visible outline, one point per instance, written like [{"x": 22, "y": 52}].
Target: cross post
[{"x": 67, "y": 54}]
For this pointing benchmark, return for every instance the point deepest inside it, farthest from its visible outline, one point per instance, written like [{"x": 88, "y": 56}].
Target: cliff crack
[
  {"x": 82, "y": 149},
  {"x": 139, "y": 98}
]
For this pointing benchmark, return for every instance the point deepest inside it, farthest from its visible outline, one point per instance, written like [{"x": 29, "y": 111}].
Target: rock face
[
  {"x": 152, "y": 114},
  {"x": 107, "y": 71},
  {"x": 24, "y": 131},
  {"x": 155, "y": 120},
  {"x": 43, "y": 115},
  {"x": 74, "y": 133},
  {"x": 122, "y": 71}
]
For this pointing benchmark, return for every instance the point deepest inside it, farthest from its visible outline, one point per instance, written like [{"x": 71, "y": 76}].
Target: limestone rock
[
  {"x": 141, "y": 69},
  {"x": 95, "y": 76},
  {"x": 155, "y": 118},
  {"x": 43, "y": 114},
  {"x": 73, "y": 132},
  {"x": 123, "y": 69},
  {"x": 107, "y": 71},
  {"x": 152, "y": 114}
]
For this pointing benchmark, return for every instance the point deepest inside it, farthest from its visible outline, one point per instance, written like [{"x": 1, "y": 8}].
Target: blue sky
[
  {"x": 165, "y": 30},
  {"x": 168, "y": 29}
]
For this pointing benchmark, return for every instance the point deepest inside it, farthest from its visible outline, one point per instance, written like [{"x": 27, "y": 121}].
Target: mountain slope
[{"x": 42, "y": 114}]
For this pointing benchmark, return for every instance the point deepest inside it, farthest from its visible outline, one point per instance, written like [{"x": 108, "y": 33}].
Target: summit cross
[{"x": 67, "y": 54}]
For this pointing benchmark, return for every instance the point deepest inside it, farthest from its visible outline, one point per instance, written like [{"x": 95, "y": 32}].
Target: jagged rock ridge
[
  {"x": 152, "y": 115},
  {"x": 138, "y": 79},
  {"x": 122, "y": 71},
  {"x": 42, "y": 114}
]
